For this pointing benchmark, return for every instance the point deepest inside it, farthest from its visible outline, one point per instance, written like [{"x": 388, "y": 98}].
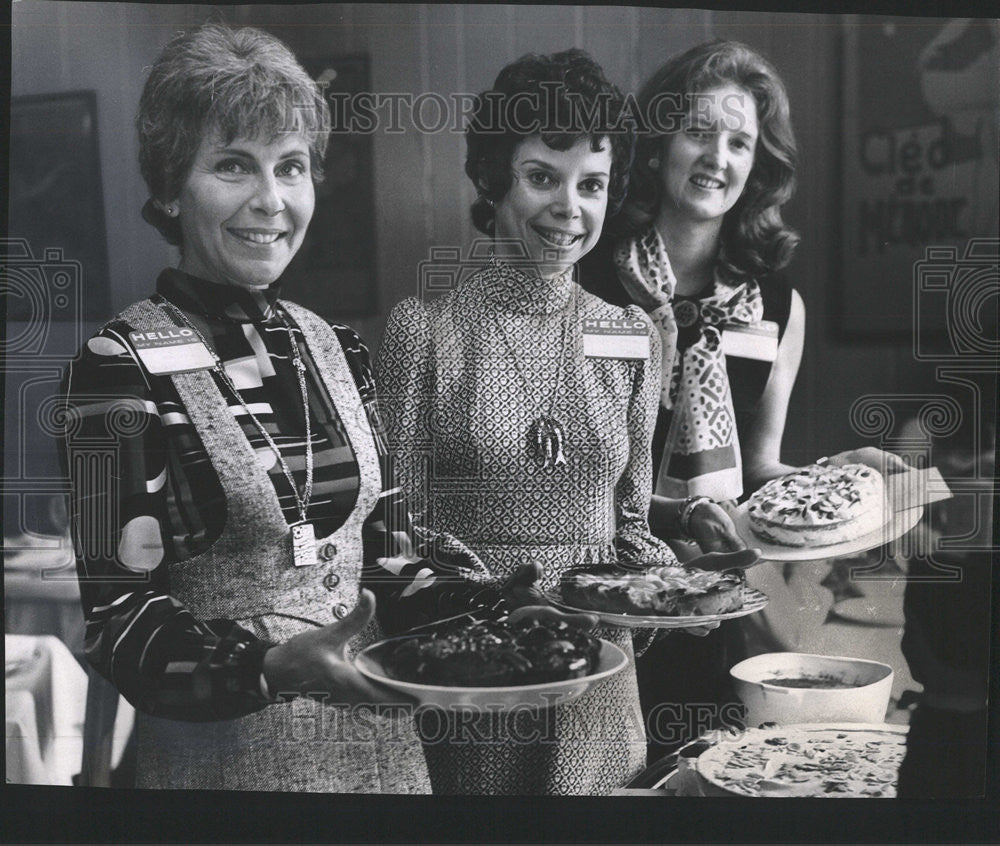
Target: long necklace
[
  {"x": 546, "y": 435},
  {"x": 303, "y": 532}
]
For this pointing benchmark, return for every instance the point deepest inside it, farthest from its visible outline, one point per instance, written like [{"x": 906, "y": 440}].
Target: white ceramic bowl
[
  {"x": 610, "y": 660},
  {"x": 865, "y": 701}
]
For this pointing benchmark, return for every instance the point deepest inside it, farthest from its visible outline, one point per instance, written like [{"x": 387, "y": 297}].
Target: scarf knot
[{"x": 702, "y": 454}]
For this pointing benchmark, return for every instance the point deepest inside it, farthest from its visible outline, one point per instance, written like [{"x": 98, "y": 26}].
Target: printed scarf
[{"x": 702, "y": 452}]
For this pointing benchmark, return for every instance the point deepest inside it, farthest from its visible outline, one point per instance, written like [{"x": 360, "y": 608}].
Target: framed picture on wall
[
  {"x": 919, "y": 173},
  {"x": 333, "y": 273},
  {"x": 55, "y": 255}
]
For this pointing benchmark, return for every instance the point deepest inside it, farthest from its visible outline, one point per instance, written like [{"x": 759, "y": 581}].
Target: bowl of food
[
  {"x": 493, "y": 666},
  {"x": 796, "y": 687}
]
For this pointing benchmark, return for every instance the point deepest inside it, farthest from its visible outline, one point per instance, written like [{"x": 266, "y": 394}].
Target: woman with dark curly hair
[{"x": 520, "y": 430}]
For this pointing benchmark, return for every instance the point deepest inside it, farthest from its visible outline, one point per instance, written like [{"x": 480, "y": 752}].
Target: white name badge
[
  {"x": 627, "y": 338},
  {"x": 173, "y": 349},
  {"x": 757, "y": 340}
]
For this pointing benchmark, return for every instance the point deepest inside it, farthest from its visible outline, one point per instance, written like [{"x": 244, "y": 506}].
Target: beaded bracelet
[{"x": 687, "y": 509}]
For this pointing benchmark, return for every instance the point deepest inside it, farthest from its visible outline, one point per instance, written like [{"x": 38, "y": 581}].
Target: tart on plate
[
  {"x": 843, "y": 761},
  {"x": 658, "y": 591},
  {"x": 819, "y": 506}
]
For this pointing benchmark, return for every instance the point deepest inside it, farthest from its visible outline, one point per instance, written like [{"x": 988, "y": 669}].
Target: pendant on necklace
[
  {"x": 545, "y": 442},
  {"x": 303, "y": 544}
]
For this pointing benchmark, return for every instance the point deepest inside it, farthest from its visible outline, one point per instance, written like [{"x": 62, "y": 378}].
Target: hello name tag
[
  {"x": 173, "y": 349},
  {"x": 626, "y": 339},
  {"x": 756, "y": 340}
]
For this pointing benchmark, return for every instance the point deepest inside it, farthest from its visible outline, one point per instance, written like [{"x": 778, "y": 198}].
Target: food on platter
[
  {"x": 819, "y": 505},
  {"x": 668, "y": 591},
  {"x": 815, "y": 761},
  {"x": 495, "y": 654}
]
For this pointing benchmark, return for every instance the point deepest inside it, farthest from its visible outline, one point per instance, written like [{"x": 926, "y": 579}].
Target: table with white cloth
[
  {"x": 45, "y": 700},
  {"x": 46, "y": 683},
  {"x": 41, "y": 592}
]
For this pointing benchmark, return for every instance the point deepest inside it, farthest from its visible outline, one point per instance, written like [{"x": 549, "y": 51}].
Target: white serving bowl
[
  {"x": 866, "y": 701},
  {"x": 610, "y": 660}
]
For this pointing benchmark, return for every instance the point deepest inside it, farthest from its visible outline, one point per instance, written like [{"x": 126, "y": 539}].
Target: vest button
[
  {"x": 340, "y": 610},
  {"x": 330, "y": 581},
  {"x": 327, "y": 551}
]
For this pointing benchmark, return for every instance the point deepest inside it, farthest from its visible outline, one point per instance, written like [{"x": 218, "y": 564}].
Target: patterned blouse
[{"x": 160, "y": 501}]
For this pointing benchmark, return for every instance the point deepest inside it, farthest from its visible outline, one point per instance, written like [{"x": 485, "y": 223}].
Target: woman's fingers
[
  {"x": 343, "y": 630},
  {"x": 526, "y": 575},
  {"x": 521, "y": 589},
  {"x": 739, "y": 560},
  {"x": 711, "y": 525},
  {"x": 546, "y": 613},
  {"x": 702, "y": 631},
  {"x": 885, "y": 462}
]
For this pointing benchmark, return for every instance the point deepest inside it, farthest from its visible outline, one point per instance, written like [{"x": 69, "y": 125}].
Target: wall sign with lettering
[{"x": 920, "y": 163}]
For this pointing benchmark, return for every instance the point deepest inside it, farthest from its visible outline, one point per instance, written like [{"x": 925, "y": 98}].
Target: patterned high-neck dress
[{"x": 461, "y": 379}]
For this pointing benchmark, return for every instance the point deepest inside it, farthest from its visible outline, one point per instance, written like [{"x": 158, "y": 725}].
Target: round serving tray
[
  {"x": 610, "y": 660},
  {"x": 895, "y": 525},
  {"x": 753, "y": 601},
  {"x": 876, "y": 749}
]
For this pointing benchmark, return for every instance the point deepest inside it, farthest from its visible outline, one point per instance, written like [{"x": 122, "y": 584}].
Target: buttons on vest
[
  {"x": 330, "y": 581},
  {"x": 340, "y": 610},
  {"x": 327, "y": 551}
]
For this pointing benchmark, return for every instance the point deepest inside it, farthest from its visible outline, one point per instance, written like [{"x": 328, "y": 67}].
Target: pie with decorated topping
[
  {"x": 819, "y": 505},
  {"x": 816, "y": 761},
  {"x": 667, "y": 591}
]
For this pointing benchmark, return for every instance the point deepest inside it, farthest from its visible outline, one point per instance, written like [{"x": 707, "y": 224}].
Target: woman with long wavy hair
[{"x": 700, "y": 244}]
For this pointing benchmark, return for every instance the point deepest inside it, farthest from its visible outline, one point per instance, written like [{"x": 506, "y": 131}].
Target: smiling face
[
  {"x": 244, "y": 209},
  {"x": 704, "y": 167},
  {"x": 556, "y": 202}
]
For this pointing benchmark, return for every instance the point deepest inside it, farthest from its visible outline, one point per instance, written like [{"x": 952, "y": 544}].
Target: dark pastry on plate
[
  {"x": 494, "y": 654},
  {"x": 657, "y": 591}
]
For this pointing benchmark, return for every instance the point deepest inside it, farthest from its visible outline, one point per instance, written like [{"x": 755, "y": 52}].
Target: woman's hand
[
  {"x": 711, "y": 527},
  {"x": 523, "y": 595},
  {"x": 522, "y": 589},
  {"x": 548, "y": 614},
  {"x": 886, "y": 463},
  {"x": 315, "y": 663},
  {"x": 714, "y": 561}
]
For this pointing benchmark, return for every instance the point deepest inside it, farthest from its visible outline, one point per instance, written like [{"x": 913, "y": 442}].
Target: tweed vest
[{"x": 248, "y": 575}]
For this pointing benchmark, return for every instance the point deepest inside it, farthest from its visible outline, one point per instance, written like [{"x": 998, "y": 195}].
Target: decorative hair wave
[
  {"x": 562, "y": 98},
  {"x": 755, "y": 238},
  {"x": 241, "y": 83}
]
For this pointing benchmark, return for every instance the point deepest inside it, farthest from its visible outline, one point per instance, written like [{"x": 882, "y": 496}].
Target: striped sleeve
[
  {"x": 417, "y": 576},
  {"x": 157, "y": 654}
]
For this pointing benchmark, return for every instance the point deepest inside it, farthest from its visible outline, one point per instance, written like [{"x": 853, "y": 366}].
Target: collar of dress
[
  {"x": 512, "y": 288},
  {"x": 221, "y": 302}
]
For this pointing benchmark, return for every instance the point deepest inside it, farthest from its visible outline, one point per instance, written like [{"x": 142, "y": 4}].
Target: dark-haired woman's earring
[
  {"x": 654, "y": 163},
  {"x": 171, "y": 211},
  {"x": 490, "y": 203}
]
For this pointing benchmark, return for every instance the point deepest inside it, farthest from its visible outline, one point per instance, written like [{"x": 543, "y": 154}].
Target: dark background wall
[{"x": 421, "y": 193}]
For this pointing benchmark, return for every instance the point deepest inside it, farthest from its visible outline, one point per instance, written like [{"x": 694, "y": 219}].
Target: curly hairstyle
[
  {"x": 243, "y": 83},
  {"x": 755, "y": 239},
  {"x": 562, "y": 97}
]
